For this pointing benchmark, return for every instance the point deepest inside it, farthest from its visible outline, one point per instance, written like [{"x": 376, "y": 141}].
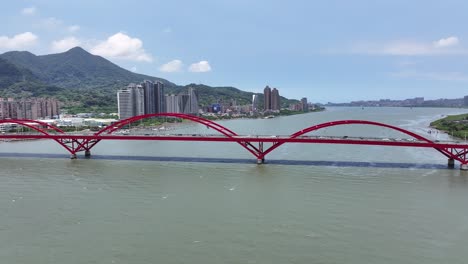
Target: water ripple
[{"x": 321, "y": 163}]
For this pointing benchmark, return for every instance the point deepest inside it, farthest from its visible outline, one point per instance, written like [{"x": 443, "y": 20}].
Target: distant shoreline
[{"x": 394, "y": 106}]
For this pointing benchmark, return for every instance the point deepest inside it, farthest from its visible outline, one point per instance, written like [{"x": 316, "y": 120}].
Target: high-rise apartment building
[
  {"x": 139, "y": 95},
  {"x": 275, "y": 99},
  {"x": 465, "y": 100},
  {"x": 267, "y": 98},
  {"x": 174, "y": 104},
  {"x": 160, "y": 100},
  {"x": 305, "y": 106},
  {"x": 150, "y": 97},
  {"x": 184, "y": 101},
  {"x": 155, "y": 101},
  {"x": 4, "y": 109},
  {"x": 145, "y": 98},
  {"x": 31, "y": 108},
  {"x": 254, "y": 102},
  {"x": 125, "y": 102},
  {"x": 131, "y": 101},
  {"x": 193, "y": 101}
]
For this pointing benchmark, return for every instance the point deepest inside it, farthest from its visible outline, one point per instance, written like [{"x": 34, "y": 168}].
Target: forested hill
[
  {"x": 79, "y": 78},
  {"x": 75, "y": 68}
]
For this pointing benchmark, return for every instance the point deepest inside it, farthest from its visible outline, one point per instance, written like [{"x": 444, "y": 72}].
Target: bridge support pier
[
  {"x": 451, "y": 163},
  {"x": 73, "y": 156},
  {"x": 87, "y": 153},
  {"x": 261, "y": 161},
  {"x": 464, "y": 167}
]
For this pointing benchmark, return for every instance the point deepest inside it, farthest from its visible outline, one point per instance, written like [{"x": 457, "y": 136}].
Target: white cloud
[
  {"x": 444, "y": 46},
  {"x": 172, "y": 66},
  {"x": 65, "y": 44},
  {"x": 407, "y": 48},
  {"x": 28, "y": 11},
  {"x": 122, "y": 46},
  {"x": 73, "y": 28},
  {"x": 19, "y": 41},
  {"x": 446, "y": 42},
  {"x": 202, "y": 66}
]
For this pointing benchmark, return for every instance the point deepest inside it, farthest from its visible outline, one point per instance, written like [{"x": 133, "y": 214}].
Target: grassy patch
[{"x": 455, "y": 125}]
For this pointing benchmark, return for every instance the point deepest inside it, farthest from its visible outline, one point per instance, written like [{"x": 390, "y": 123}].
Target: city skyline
[
  {"x": 330, "y": 51},
  {"x": 148, "y": 97}
]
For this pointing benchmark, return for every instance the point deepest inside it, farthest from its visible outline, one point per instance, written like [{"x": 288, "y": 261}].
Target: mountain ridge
[
  {"x": 74, "y": 68},
  {"x": 79, "y": 78}
]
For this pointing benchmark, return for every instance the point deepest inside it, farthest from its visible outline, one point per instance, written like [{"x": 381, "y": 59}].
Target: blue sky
[{"x": 335, "y": 51}]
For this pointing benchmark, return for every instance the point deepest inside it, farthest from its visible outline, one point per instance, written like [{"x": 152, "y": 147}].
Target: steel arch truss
[
  {"x": 459, "y": 154},
  {"x": 86, "y": 145},
  {"x": 45, "y": 129},
  {"x": 76, "y": 143}
]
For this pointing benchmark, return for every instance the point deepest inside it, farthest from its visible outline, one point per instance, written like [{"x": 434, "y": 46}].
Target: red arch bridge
[{"x": 259, "y": 146}]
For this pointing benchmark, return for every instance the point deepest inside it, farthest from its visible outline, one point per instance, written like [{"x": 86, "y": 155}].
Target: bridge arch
[
  {"x": 223, "y": 130},
  {"x": 28, "y": 123},
  {"x": 211, "y": 124},
  {"x": 357, "y": 122},
  {"x": 75, "y": 144}
]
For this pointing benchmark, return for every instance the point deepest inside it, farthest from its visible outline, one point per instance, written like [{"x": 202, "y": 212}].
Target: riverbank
[
  {"x": 454, "y": 125},
  {"x": 267, "y": 115}
]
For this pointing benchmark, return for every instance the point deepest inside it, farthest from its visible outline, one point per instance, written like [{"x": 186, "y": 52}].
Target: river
[{"x": 193, "y": 202}]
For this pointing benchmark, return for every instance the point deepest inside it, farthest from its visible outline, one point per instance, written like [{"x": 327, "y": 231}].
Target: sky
[{"x": 327, "y": 51}]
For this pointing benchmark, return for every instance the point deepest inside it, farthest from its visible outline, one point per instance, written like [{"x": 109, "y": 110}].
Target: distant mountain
[
  {"x": 83, "y": 80},
  {"x": 20, "y": 82},
  {"x": 11, "y": 74},
  {"x": 76, "y": 68}
]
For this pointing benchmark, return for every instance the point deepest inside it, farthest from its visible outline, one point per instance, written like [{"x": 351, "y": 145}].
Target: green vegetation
[
  {"x": 456, "y": 125},
  {"x": 286, "y": 112},
  {"x": 209, "y": 95},
  {"x": 87, "y": 83},
  {"x": 81, "y": 81},
  {"x": 157, "y": 121}
]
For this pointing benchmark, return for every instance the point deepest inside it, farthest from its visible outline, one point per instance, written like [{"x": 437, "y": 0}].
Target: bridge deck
[
  {"x": 409, "y": 142},
  {"x": 74, "y": 142}
]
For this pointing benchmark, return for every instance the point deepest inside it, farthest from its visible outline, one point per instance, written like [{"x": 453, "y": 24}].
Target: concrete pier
[
  {"x": 464, "y": 167},
  {"x": 87, "y": 153},
  {"x": 261, "y": 161},
  {"x": 451, "y": 163},
  {"x": 73, "y": 156}
]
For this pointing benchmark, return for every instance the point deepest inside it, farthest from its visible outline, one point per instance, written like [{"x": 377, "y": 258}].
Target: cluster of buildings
[
  {"x": 149, "y": 98},
  {"x": 417, "y": 101},
  {"x": 31, "y": 108},
  {"x": 230, "y": 108},
  {"x": 271, "y": 104},
  {"x": 271, "y": 99},
  {"x": 410, "y": 102},
  {"x": 303, "y": 105}
]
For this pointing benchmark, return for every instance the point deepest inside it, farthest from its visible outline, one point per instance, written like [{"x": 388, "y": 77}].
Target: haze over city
[{"x": 335, "y": 51}]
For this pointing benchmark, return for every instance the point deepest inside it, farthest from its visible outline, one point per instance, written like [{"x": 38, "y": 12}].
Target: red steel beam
[
  {"x": 86, "y": 142},
  {"x": 242, "y": 139}
]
